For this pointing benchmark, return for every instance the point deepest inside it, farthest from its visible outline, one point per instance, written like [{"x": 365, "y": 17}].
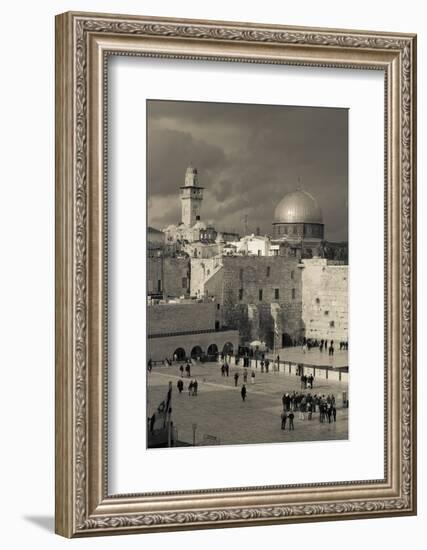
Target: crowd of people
[{"x": 306, "y": 404}]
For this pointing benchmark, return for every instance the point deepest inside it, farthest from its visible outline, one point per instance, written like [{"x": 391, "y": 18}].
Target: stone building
[
  {"x": 155, "y": 241},
  {"x": 253, "y": 245},
  {"x": 325, "y": 300},
  {"x": 260, "y": 296},
  {"x": 187, "y": 329},
  {"x": 168, "y": 277}
]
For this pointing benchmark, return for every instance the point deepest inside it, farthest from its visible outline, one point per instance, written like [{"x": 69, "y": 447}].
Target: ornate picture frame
[{"x": 83, "y": 43}]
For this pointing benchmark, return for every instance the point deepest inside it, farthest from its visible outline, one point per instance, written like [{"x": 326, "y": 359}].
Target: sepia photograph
[{"x": 247, "y": 274}]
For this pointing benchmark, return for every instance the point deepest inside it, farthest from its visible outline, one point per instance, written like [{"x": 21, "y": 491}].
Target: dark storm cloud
[{"x": 248, "y": 157}]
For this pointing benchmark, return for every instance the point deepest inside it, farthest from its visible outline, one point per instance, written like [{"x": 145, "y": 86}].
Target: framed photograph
[{"x": 235, "y": 274}]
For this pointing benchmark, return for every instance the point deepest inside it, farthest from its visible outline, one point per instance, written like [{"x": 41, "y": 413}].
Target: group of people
[
  {"x": 245, "y": 377},
  {"x": 285, "y": 416},
  {"x": 265, "y": 365},
  {"x": 308, "y": 404},
  {"x": 307, "y": 382},
  {"x": 192, "y": 386},
  {"x": 323, "y": 344},
  {"x": 225, "y": 369},
  {"x": 246, "y": 360},
  {"x": 187, "y": 370}
]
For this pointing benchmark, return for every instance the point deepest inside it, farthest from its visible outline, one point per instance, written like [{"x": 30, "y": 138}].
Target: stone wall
[
  {"x": 180, "y": 317},
  {"x": 245, "y": 289},
  {"x": 154, "y": 275},
  {"x": 325, "y": 300},
  {"x": 173, "y": 274}
]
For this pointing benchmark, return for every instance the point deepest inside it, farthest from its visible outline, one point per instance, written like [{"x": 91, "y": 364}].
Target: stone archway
[
  {"x": 196, "y": 352},
  {"x": 212, "y": 351},
  {"x": 179, "y": 354}
]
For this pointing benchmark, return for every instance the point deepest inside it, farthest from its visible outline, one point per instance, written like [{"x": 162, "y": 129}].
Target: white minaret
[{"x": 191, "y": 197}]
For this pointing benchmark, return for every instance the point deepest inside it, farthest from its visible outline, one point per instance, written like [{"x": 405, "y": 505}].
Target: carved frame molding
[{"x": 83, "y": 43}]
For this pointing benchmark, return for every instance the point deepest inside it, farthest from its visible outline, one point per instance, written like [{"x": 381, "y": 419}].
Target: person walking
[
  {"x": 291, "y": 421},
  {"x": 245, "y": 376},
  {"x": 243, "y": 392},
  {"x": 180, "y": 385},
  {"x": 329, "y": 412},
  {"x": 309, "y": 410},
  {"x": 195, "y": 386},
  {"x": 253, "y": 377},
  {"x": 301, "y": 411},
  {"x": 236, "y": 379},
  {"x": 181, "y": 369},
  {"x": 284, "y": 417}
]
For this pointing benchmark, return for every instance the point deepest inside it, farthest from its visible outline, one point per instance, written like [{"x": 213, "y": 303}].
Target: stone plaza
[{"x": 219, "y": 415}]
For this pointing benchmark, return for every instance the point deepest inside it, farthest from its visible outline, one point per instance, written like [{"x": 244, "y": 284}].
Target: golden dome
[{"x": 298, "y": 207}]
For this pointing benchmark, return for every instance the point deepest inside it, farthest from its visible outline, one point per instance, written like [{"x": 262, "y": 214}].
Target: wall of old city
[
  {"x": 325, "y": 300},
  {"x": 168, "y": 275},
  {"x": 181, "y": 317},
  {"x": 254, "y": 294}
]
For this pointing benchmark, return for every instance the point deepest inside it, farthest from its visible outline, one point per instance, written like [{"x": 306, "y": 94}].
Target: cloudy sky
[{"x": 248, "y": 157}]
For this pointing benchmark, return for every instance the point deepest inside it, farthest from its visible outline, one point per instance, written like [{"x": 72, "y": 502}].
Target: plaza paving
[{"x": 219, "y": 410}]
